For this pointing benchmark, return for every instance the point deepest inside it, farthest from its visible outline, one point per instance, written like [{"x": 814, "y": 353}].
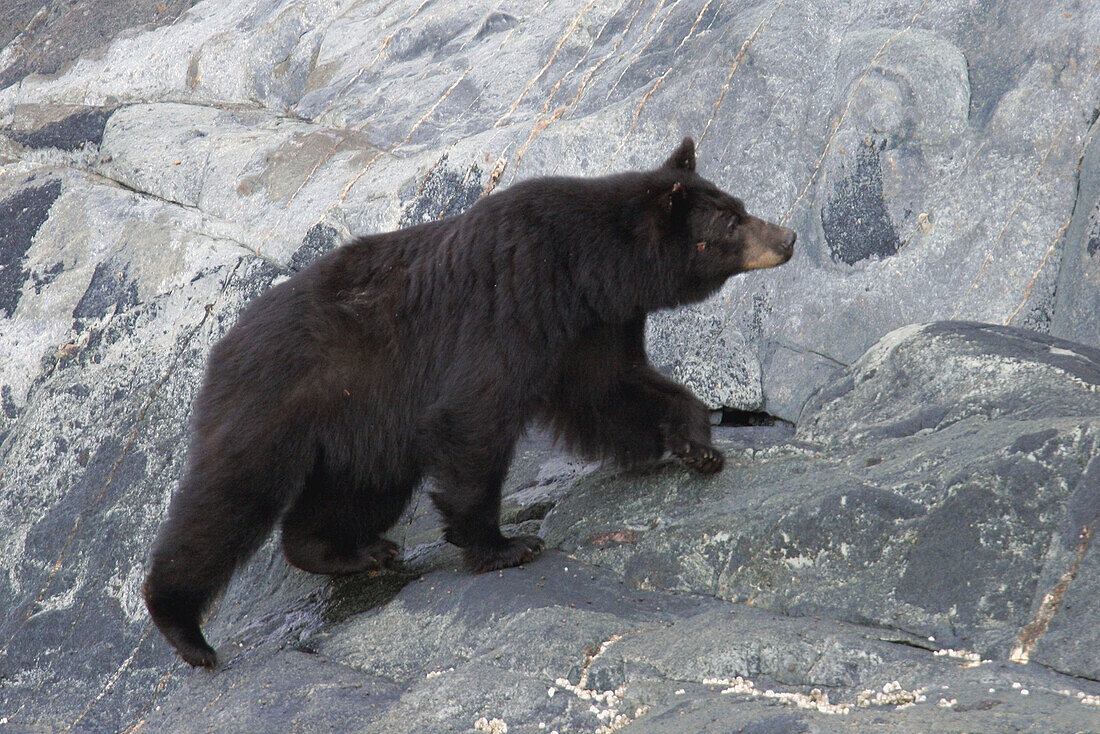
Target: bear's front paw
[
  {"x": 701, "y": 457},
  {"x": 511, "y": 552}
]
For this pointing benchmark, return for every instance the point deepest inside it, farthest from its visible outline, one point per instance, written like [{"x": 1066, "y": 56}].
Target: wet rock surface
[{"x": 161, "y": 163}]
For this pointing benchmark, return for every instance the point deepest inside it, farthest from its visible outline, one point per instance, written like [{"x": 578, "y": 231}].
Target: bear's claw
[
  {"x": 382, "y": 552},
  {"x": 700, "y": 457}
]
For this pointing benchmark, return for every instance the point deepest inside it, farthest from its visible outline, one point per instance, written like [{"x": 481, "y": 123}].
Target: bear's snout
[{"x": 767, "y": 245}]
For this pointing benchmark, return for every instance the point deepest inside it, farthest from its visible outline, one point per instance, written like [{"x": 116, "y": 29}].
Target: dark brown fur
[{"x": 427, "y": 352}]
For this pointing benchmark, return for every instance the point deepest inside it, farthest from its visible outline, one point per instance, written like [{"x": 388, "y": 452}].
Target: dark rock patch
[
  {"x": 20, "y": 217},
  {"x": 996, "y": 52},
  {"x": 495, "y": 22},
  {"x": 919, "y": 421},
  {"x": 952, "y": 556},
  {"x": 71, "y": 133},
  {"x": 855, "y": 219},
  {"x": 1083, "y": 506},
  {"x": 1093, "y": 243},
  {"x": 320, "y": 239},
  {"x": 1032, "y": 441},
  {"x": 407, "y": 43},
  {"x": 11, "y": 410},
  {"x": 110, "y": 288},
  {"x": 444, "y": 193},
  {"x": 47, "y": 276}
]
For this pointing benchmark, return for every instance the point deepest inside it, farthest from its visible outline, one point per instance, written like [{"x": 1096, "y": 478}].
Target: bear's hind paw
[
  {"x": 383, "y": 551},
  {"x": 319, "y": 556},
  {"x": 512, "y": 552}
]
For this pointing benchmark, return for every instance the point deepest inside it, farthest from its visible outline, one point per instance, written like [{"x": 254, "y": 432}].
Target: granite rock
[{"x": 1078, "y": 288}]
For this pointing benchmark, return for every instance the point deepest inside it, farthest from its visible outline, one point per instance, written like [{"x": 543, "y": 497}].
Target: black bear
[{"x": 426, "y": 352}]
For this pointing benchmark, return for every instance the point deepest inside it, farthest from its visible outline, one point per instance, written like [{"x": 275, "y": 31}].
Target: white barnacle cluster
[
  {"x": 604, "y": 704},
  {"x": 892, "y": 694},
  {"x": 816, "y": 700},
  {"x": 948, "y": 703},
  {"x": 491, "y": 726},
  {"x": 436, "y": 673},
  {"x": 1086, "y": 699},
  {"x": 970, "y": 659}
]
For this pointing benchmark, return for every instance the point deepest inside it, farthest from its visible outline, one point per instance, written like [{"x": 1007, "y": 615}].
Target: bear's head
[{"x": 706, "y": 232}]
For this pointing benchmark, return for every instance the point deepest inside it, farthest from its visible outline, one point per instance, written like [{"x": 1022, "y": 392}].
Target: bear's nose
[{"x": 788, "y": 242}]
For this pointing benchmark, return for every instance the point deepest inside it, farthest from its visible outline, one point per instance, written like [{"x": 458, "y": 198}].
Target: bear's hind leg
[
  {"x": 215, "y": 522},
  {"x": 334, "y": 527}
]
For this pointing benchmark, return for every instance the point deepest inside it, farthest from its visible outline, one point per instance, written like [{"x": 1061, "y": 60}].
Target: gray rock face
[
  {"x": 40, "y": 37},
  {"x": 714, "y": 363},
  {"x": 928, "y": 154},
  {"x": 1078, "y": 291},
  {"x": 161, "y": 163}
]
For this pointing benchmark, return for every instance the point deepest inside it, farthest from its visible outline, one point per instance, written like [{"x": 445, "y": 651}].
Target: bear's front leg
[
  {"x": 471, "y": 474},
  {"x": 636, "y": 419}
]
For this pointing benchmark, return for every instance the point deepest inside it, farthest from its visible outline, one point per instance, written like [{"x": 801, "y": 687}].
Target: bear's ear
[
  {"x": 672, "y": 202},
  {"x": 684, "y": 157}
]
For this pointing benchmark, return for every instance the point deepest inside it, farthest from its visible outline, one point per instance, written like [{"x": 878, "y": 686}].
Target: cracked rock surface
[{"x": 918, "y": 554}]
